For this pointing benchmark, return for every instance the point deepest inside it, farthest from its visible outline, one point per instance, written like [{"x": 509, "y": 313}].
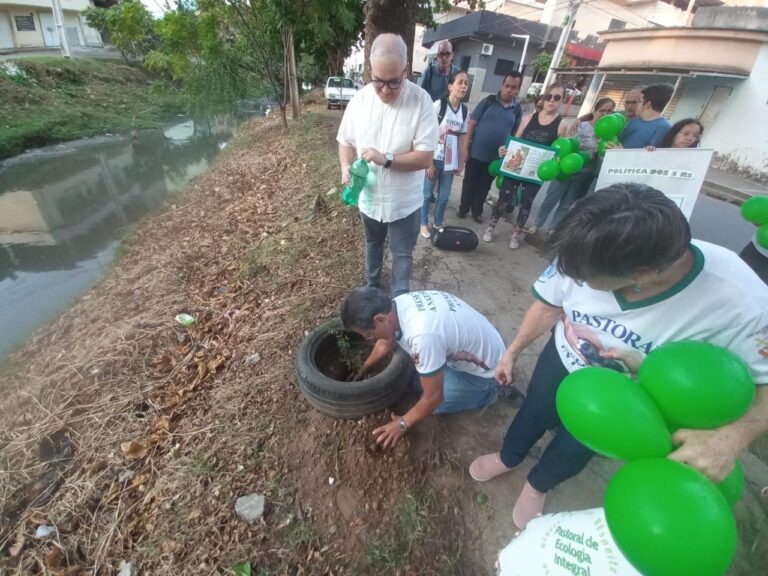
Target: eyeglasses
[
  {"x": 553, "y": 97},
  {"x": 444, "y": 54},
  {"x": 391, "y": 84},
  {"x": 631, "y": 102}
]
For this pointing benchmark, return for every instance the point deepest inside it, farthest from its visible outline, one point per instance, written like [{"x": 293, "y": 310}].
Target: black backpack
[
  {"x": 456, "y": 238},
  {"x": 490, "y": 100}
]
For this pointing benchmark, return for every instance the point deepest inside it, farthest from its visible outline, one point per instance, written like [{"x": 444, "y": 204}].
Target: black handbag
[{"x": 455, "y": 238}]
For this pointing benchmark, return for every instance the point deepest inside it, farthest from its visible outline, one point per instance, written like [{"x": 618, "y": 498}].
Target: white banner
[
  {"x": 677, "y": 172},
  {"x": 565, "y": 544}
]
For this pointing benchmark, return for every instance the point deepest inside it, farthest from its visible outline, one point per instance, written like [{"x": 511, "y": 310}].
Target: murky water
[{"x": 64, "y": 208}]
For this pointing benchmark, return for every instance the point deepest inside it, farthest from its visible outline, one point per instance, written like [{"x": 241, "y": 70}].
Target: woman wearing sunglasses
[
  {"x": 564, "y": 194},
  {"x": 541, "y": 127}
]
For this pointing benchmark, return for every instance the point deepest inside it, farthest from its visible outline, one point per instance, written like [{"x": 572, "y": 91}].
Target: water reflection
[{"x": 63, "y": 208}]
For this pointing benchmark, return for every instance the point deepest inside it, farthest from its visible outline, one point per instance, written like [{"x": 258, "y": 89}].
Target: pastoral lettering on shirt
[
  {"x": 683, "y": 174},
  {"x": 425, "y": 301},
  {"x": 613, "y": 328}
]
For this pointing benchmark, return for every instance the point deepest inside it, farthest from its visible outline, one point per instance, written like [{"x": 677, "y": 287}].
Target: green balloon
[
  {"x": 574, "y": 144},
  {"x": 608, "y": 127},
  {"x": 499, "y": 181},
  {"x": 564, "y": 146},
  {"x": 669, "y": 519},
  {"x": 586, "y": 156},
  {"x": 697, "y": 384},
  {"x": 762, "y": 236},
  {"x": 548, "y": 170},
  {"x": 621, "y": 121},
  {"x": 755, "y": 210},
  {"x": 571, "y": 163},
  {"x": 611, "y": 414},
  {"x": 732, "y": 486},
  {"x": 494, "y": 167},
  {"x": 601, "y": 147}
]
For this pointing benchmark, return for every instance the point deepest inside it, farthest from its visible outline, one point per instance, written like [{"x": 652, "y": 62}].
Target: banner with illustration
[
  {"x": 677, "y": 172},
  {"x": 523, "y": 159},
  {"x": 565, "y": 544}
]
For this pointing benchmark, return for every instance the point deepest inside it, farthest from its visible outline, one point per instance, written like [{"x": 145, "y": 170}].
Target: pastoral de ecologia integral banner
[
  {"x": 565, "y": 544},
  {"x": 677, "y": 172}
]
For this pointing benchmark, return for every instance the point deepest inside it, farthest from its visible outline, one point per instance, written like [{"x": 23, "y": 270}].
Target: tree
[
  {"x": 400, "y": 17},
  {"x": 543, "y": 60},
  {"x": 131, "y": 25}
]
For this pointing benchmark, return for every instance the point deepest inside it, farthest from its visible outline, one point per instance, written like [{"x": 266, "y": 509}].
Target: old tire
[{"x": 348, "y": 399}]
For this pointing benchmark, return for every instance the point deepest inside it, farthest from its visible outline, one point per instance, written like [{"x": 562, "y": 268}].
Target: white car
[{"x": 339, "y": 91}]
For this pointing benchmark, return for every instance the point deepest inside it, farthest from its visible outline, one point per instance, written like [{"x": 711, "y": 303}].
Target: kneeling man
[{"x": 454, "y": 347}]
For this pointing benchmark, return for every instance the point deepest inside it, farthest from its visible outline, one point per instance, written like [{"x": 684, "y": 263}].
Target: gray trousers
[{"x": 402, "y": 238}]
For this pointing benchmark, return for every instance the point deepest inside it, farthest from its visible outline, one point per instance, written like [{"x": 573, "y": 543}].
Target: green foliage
[
  {"x": 131, "y": 24},
  {"x": 543, "y": 59}
]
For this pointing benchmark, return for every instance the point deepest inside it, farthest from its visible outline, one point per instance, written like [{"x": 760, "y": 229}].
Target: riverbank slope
[{"x": 46, "y": 100}]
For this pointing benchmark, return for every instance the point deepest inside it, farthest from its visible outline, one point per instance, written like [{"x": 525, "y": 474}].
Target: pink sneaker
[
  {"x": 529, "y": 505},
  {"x": 487, "y": 467}
]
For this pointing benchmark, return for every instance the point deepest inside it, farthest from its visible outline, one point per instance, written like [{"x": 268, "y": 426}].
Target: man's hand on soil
[
  {"x": 372, "y": 155},
  {"x": 389, "y": 434}
]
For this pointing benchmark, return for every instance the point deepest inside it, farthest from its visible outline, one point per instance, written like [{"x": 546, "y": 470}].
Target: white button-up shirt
[{"x": 410, "y": 123}]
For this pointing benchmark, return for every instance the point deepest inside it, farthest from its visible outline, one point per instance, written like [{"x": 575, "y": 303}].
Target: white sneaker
[
  {"x": 488, "y": 235},
  {"x": 514, "y": 243}
]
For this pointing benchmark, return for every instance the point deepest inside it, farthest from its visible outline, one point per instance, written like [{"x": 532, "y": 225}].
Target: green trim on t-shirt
[
  {"x": 542, "y": 299},
  {"x": 435, "y": 371},
  {"x": 698, "y": 266}
]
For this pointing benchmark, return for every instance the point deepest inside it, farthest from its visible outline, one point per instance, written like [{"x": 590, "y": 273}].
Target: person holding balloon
[
  {"x": 624, "y": 266},
  {"x": 563, "y": 193},
  {"x": 543, "y": 128}
]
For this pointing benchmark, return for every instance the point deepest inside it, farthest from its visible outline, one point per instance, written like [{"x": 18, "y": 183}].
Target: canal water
[{"x": 64, "y": 208}]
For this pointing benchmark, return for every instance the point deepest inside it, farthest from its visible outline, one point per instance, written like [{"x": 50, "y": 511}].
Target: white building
[{"x": 29, "y": 24}]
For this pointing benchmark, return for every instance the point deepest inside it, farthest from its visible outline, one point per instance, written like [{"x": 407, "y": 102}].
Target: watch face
[{"x": 403, "y": 427}]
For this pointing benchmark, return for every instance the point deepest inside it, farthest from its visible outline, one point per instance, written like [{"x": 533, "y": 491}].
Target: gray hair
[
  {"x": 389, "y": 47},
  {"x": 361, "y": 305},
  {"x": 445, "y": 43}
]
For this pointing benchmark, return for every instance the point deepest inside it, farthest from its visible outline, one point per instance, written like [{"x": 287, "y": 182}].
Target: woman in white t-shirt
[
  {"x": 626, "y": 278},
  {"x": 447, "y": 161}
]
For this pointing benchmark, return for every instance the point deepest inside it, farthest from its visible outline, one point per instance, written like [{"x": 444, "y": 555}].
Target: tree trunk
[
  {"x": 395, "y": 16},
  {"x": 294, "y": 78}
]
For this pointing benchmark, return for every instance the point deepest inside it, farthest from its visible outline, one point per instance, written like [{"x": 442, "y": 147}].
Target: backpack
[
  {"x": 490, "y": 100},
  {"x": 444, "y": 107}
]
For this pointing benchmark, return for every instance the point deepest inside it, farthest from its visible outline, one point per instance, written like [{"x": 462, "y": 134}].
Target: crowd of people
[{"x": 625, "y": 275}]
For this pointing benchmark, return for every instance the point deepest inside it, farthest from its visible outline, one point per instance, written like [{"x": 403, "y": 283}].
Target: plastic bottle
[{"x": 358, "y": 174}]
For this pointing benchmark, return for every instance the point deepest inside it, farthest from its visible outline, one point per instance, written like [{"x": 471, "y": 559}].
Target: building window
[
  {"x": 617, "y": 24},
  {"x": 504, "y": 67},
  {"x": 25, "y": 23}
]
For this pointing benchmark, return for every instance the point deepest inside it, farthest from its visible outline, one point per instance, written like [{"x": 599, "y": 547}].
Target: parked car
[{"x": 339, "y": 91}]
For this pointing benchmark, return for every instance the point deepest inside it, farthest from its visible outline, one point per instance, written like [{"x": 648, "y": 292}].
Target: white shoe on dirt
[
  {"x": 514, "y": 243},
  {"x": 488, "y": 235}
]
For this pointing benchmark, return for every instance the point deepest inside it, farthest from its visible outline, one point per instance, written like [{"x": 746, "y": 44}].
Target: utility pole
[
  {"x": 570, "y": 18},
  {"x": 58, "y": 18}
]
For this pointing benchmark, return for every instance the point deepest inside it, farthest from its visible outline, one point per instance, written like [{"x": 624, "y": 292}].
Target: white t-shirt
[
  {"x": 721, "y": 301},
  {"x": 438, "y": 328},
  {"x": 410, "y": 123},
  {"x": 452, "y": 125}
]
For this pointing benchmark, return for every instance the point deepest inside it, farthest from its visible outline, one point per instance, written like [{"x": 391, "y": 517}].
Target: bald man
[
  {"x": 392, "y": 124},
  {"x": 436, "y": 76}
]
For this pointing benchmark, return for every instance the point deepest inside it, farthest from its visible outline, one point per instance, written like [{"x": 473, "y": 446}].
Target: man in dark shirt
[{"x": 436, "y": 76}]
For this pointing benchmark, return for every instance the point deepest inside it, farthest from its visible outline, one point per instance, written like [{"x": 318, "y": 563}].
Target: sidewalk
[
  {"x": 731, "y": 187},
  {"x": 496, "y": 281}
]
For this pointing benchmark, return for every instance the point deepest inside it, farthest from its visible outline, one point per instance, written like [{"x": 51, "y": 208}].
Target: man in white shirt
[
  {"x": 390, "y": 123},
  {"x": 453, "y": 346}
]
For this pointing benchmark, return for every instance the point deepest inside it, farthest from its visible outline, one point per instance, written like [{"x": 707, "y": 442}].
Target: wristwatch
[
  {"x": 389, "y": 159},
  {"x": 403, "y": 426}
]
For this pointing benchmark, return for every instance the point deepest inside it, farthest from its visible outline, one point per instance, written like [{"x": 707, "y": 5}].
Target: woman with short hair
[{"x": 626, "y": 278}]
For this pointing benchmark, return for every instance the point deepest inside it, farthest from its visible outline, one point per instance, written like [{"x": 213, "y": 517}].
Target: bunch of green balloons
[
  {"x": 755, "y": 210},
  {"x": 568, "y": 161},
  {"x": 608, "y": 128},
  {"x": 494, "y": 169},
  {"x": 667, "y": 518}
]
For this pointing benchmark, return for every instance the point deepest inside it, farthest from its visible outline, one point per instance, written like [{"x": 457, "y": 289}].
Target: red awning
[{"x": 583, "y": 52}]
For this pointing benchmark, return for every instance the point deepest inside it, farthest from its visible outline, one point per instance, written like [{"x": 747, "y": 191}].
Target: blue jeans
[
  {"x": 444, "y": 182},
  {"x": 462, "y": 391},
  {"x": 564, "y": 456},
  {"x": 564, "y": 195},
  {"x": 402, "y": 238}
]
